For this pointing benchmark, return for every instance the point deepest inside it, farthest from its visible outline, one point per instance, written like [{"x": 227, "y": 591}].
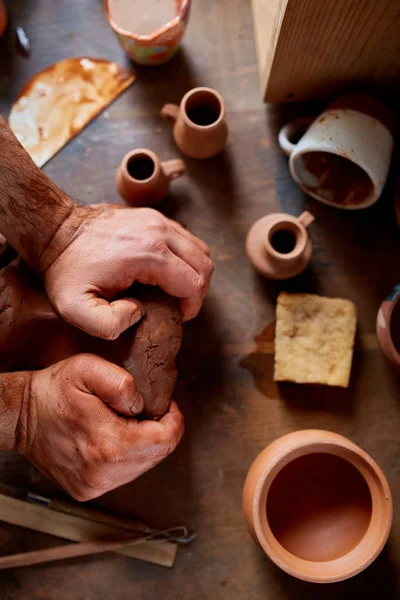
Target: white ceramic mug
[{"x": 342, "y": 157}]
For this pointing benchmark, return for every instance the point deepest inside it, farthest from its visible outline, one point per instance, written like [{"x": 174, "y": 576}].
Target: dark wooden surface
[{"x": 231, "y": 405}]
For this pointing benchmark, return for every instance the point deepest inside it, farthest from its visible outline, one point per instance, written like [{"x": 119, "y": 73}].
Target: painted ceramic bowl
[
  {"x": 388, "y": 328},
  {"x": 158, "y": 47},
  {"x": 318, "y": 505}
]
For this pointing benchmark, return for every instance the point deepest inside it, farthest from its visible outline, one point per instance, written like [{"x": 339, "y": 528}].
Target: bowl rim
[{"x": 351, "y": 563}]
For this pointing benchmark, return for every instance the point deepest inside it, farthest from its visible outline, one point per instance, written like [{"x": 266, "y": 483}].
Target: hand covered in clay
[
  {"x": 100, "y": 251},
  {"x": 67, "y": 427}
]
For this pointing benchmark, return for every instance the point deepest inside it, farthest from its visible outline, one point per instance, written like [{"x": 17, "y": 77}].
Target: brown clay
[
  {"x": 279, "y": 246},
  {"x": 33, "y": 336},
  {"x": 143, "y": 180},
  {"x": 388, "y": 328},
  {"x": 318, "y": 506},
  {"x": 200, "y": 129}
]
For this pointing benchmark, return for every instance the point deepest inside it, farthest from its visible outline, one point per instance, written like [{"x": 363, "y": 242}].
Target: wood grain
[
  {"x": 309, "y": 49},
  {"x": 232, "y": 407}
]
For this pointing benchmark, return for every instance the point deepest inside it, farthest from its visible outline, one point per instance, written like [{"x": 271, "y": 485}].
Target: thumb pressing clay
[{"x": 33, "y": 336}]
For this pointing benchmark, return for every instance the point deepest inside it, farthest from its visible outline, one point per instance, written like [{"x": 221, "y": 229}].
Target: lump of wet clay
[{"x": 33, "y": 336}]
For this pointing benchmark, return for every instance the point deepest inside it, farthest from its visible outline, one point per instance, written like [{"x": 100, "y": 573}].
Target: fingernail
[
  {"x": 137, "y": 314},
  {"x": 137, "y": 405}
]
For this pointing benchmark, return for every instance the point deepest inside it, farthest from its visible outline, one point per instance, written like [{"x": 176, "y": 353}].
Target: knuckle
[
  {"x": 109, "y": 452},
  {"x": 126, "y": 385},
  {"x": 201, "y": 286},
  {"x": 208, "y": 268},
  {"x": 157, "y": 246}
]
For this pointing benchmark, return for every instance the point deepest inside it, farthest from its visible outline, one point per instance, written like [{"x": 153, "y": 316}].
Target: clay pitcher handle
[
  {"x": 173, "y": 168},
  {"x": 170, "y": 112},
  {"x": 294, "y": 129},
  {"x": 306, "y": 218}
]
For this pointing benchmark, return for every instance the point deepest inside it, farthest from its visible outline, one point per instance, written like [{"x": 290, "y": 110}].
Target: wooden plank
[
  {"x": 316, "y": 49},
  {"x": 76, "y": 529}
]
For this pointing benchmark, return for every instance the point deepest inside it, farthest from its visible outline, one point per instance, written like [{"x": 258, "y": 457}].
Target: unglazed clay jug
[
  {"x": 318, "y": 506},
  {"x": 143, "y": 180},
  {"x": 388, "y": 328},
  {"x": 200, "y": 129},
  {"x": 279, "y": 246}
]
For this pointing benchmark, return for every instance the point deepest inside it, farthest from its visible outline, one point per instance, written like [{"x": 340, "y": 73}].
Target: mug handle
[
  {"x": 293, "y": 129},
  {"x": 170, "y": 112},
  {"x": 306, "y": 219},
  {"x": 174, "y": 168}
]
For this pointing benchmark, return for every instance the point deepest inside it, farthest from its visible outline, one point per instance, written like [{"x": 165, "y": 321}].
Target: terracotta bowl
[
  {"x": 318, "y": 506},
  {"x": 158, "y": 47},
  {"x": 388, "y": 328}
]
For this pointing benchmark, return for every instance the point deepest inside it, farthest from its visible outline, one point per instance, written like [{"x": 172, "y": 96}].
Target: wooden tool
[
  {"x": 80, "y": 529},
  {"x": 25, "y": 559}
]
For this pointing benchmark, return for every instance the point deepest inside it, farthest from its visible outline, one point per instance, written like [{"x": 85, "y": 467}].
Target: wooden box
[{"x": 316, "y": 48}]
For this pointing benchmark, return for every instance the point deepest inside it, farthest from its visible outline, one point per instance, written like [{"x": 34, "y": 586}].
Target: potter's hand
[
  {"x": 68, "y": 430},
  {"x": 101, "y": 250}
]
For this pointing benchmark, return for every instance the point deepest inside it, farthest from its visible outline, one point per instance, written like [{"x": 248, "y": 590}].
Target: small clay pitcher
[
  {"x": 388, "y": 328},
  {"x": 143, "y": 180},
  {"x": 200, "y": 129},
  {"x": 279, "y": 246},
  {"x": 318, "y": 505}
]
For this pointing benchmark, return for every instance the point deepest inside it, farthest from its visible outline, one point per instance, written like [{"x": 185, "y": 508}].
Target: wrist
[
  {"x": 32, "y": 206},
  {"x": 15, "y": 391},
  {"x": 72, "y": 226}
]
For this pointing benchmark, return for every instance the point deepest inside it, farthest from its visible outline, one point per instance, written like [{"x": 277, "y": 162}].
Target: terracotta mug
[
  {"x": 318, "y": 505},
  {"x": 388, "y": 328},
  {"x": 200, "y": 129},
  {"x": 342, "y": 158},
  {"x": 143, "y": 180},
  {"x": 279, "y": 246}
]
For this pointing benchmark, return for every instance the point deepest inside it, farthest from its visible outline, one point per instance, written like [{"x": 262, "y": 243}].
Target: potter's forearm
[
  {"x": 32, "y": 207},
  {"x": 14, "y": 390}
]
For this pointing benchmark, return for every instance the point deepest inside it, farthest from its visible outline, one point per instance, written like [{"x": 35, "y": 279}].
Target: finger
[
  {"x": 167, "y": 432},
  {"x": 106, "y": 320},
  {"x": 190, "y": 236},
  {"x": 178, "y": 279},
  {"x": 110, "y": 383},
  {"x": 191, "y": 253}
]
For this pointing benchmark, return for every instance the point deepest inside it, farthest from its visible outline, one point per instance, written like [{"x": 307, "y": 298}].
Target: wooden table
[{"x": 232, "y": 407}]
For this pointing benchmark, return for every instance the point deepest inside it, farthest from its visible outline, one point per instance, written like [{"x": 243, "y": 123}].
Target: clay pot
[
  {"x": 388, "y": 328},
  {"x": 318, "y": 506},
  {"x": 157, "y": 47},
  {"x": 200, "y": 129},
  {"x": 279, "y": 246},
  {"x": 342, "y": 158},
  {"x": 3, "y": 18},
  {"x": 143, "y": 180}
]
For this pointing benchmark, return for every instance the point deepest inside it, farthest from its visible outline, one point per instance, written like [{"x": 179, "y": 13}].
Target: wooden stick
[
  {"x": 36, "y": 557},
  {"x": 78, "y": 529}
]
